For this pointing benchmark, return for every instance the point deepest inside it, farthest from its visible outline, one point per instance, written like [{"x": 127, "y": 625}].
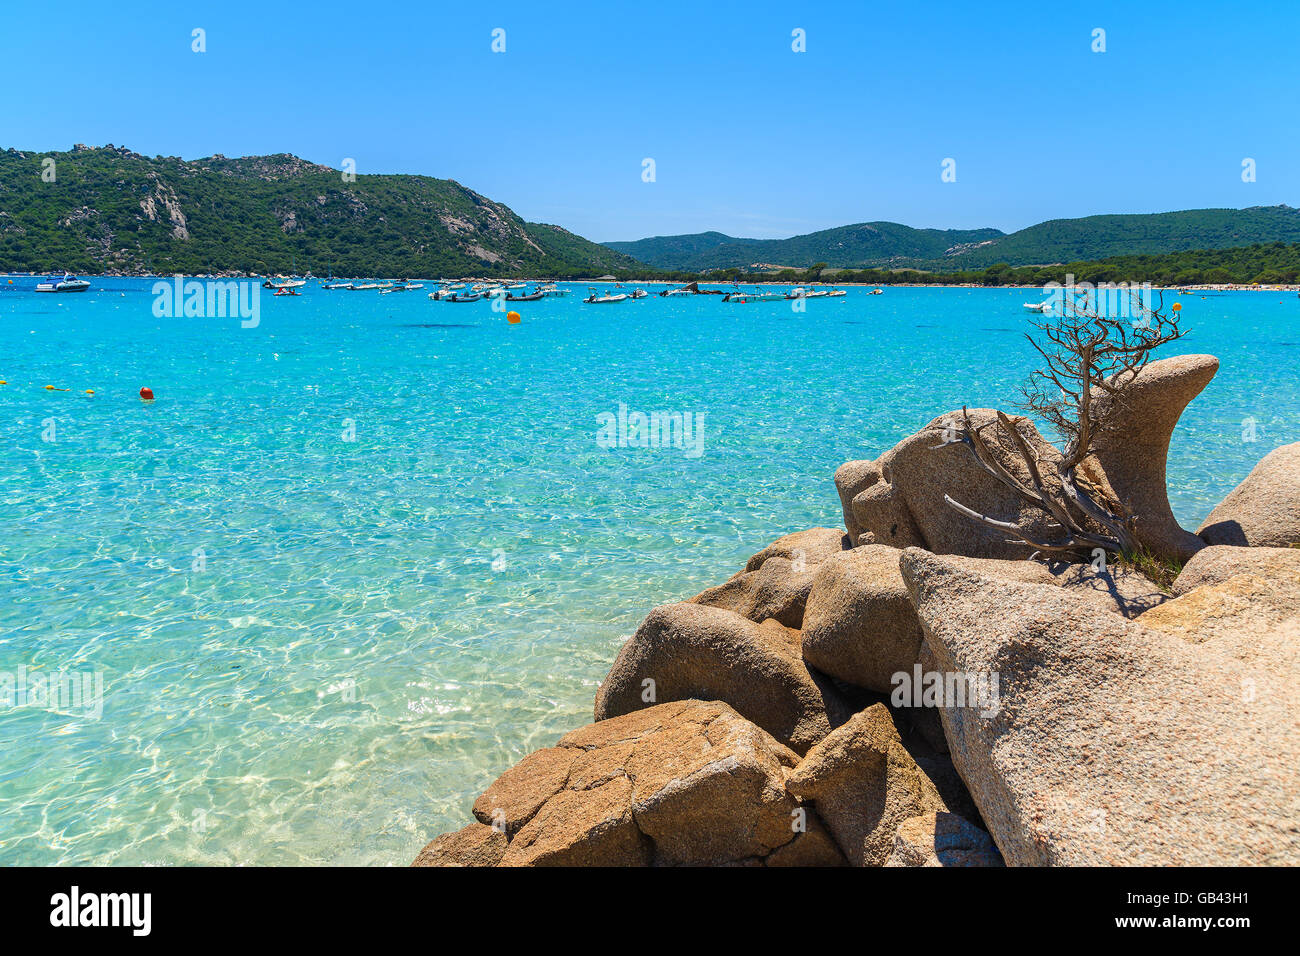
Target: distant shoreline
[{"x": 668, "y": 283}]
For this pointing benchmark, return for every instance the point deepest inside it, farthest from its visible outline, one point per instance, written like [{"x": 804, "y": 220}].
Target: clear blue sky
[{"x": 748, "y": 137}]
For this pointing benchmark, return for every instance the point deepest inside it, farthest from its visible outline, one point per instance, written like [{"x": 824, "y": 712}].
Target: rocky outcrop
[
  {"x": 475, "y": 845},
  {"x": 1220, "y": 613},
  {"x": 1264, "y": 510},
  {"x": 689, "y": 651},
  {"x": 1132, "y": 452},
  {"x": 860, "y": 625},
  {"x": 899, "y": 498},
  {"x": 864, "y": 783},
  {"x": 1216, "y": 564},
  {"x": 776, "y": 581},
  {"x": 1113, "y": 743},
  {"x": 942, "y": 839},
  {"x": 684, "y": 783},
  {"x": 1083, "y": 715}
]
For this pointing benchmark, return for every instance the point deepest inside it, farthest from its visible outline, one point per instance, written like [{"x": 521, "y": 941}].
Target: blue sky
[{"x": 748, "y": 137}]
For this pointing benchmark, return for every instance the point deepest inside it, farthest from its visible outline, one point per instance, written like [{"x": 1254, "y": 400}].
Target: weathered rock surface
[
  {"x": 942, "y": 839},
  {"x": 860, "y": 625},
  {"x": 1264, "y": 510},
  {"x": 810, "y": 547},
  {"x": 898, "y": 499},
  {"x": 776, "y": 581},
  {"x": 864, "y": 783},
  {"x": 1223, "y": 613},
  {"x": 474, "y": 845},
  {"x": 682, "y": 783},
  {"x": 1132, "y": 452},
  {"x": 1216, "y": 564},
  {"x": 690, "y": 651},
  {"x": 1114, "y": 743}
]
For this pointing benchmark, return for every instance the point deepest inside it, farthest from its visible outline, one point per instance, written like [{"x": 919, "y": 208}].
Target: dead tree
[{"x": 1089, "y": 359}]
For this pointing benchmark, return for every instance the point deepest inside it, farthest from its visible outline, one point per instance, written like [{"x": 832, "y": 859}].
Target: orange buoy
[
  {"x": 1178, "y": 307},
  {"x": 513, "y": 318},
  {"x": 146, "y": 394}
]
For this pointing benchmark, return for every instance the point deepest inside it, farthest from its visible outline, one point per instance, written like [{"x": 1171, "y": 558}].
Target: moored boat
[
  {"x": 69, "y": 283},
  {"x": 597, "y": 299}
]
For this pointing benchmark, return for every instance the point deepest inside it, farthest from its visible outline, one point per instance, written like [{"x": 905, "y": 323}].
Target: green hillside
[
  {"x": 885, "y": 244},
  {"x": 866, "y": 243},
  {"x": 112, "y": 210}
]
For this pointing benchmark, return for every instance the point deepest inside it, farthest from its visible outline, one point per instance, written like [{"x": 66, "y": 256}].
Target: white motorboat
[
  {"x": 1042, "y": 308},
  {"x": 597, "y": 299},
  {"x": 69, "y": 283},
  {"x": 553, "y": 290}
]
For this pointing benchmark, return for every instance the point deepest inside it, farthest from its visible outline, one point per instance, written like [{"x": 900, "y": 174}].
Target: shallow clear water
[{"x": 319, "y": 650}]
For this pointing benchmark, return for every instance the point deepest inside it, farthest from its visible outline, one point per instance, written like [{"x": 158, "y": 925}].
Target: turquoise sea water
[{"x": 319, "y": 650}]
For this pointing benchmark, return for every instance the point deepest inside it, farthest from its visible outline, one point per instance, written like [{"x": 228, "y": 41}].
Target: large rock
[
  {"x": 1216, "y": 564},
  {"x": 1247, "y": 603},
  {"x": 776, "y": 581},
  {"x": 474, "y": 845},
  {"x": 942, "y": 839},
  {"x": 1114, "y": 743},
  {"x": 685, "y": 651},
  {"x": 1132, "y": 452},
  {"x": 683, "y": 783},
  {"x": 864, "y": 783},
  {"x": 860, "y": 625},
  {"x": 1264, "y": 510},
  {"x": 899, "y": 498}
]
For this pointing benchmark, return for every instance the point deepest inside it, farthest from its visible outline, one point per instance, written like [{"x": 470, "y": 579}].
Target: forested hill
[
  {"x": 890, "y": 245},
  {"x": 110, "y": 210}
]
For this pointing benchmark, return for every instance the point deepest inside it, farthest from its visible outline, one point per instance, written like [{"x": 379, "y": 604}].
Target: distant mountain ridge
[
  {"x": 108, "y": 209},
  {"x": 891, "y": 245}
]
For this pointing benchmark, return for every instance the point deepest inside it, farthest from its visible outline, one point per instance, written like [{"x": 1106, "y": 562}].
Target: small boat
[
  {"x": 799, "y": 292},
  {"x": 668, "y": 292},
  {"x": 638, "y": 294},
  {"x": 1042, "y": 308},
  {"x": 286, "y": 290},
  {"x": 517, "y": 285},
  {"x": 553, "y": 290},
  {"x": 69, "y": 283},
  {"x": 876, "y": 292},
  {"x": 739, "y": 296},
  {"x": 525, "y": 298},
  {"x": 283, "y": 284},
  {"x": 467, "y": 297},
  {"x": 336, "y": 285},
  {"x": 835, "y": 293},
  {"x": 597, "y": 299},
  {"x": 362, "y": 287}
]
